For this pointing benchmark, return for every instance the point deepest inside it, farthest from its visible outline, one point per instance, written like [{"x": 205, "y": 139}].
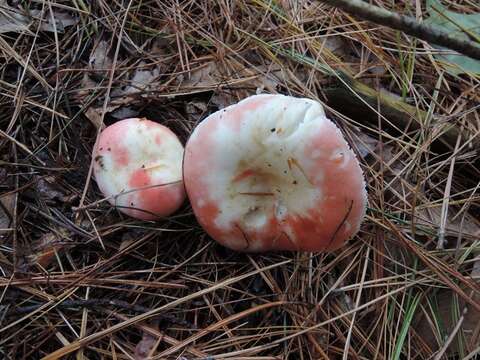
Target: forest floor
[{"x": 78, "y": 279}]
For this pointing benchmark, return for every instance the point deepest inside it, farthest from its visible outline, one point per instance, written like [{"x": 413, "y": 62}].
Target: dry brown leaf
[
  {"x": 7, "y": 204},
  {"x": 62, "y": 20},
  {"x": 222, "y": 99},
  {"x": 141, "y": 81},
  {"x": 159, "y": 45},
  {"x": 99, "y": 60},
  {"x": 11, "y": 20},
  {"x": 212, "y": 75},
  {"x": 364, "y": 143},
  {"x": 147, "y": 345},
  {"x": 476, "y": 269},
  {"x": 99, "y": 57},
  {"x": 196, "y": 109},
  {"x": 336, "y": 44},
  {"x": 87, "y": 86},
  {"x": 124, "y": 112},
  {"x": 266, "y": 78},
  {"x": 378, "y": 70},
  {"x": 94, "y": 114},
  {"x": 445, "y": 312},
  {"x": 127, "y": 239},
  {"x": 47, "y": 189},
  {"x": 463, "y": 224},
  {"x": 44, "y": 249},
  {"x": 207, "y": 76}
]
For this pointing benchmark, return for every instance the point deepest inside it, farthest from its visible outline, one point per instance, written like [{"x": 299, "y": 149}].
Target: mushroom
[
  {"x": 138, "y": 167},
  {"x": 273, "y": 173}
]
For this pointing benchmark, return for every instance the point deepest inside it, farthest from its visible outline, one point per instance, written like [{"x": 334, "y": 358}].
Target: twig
[{"x": 407, "y": 24}]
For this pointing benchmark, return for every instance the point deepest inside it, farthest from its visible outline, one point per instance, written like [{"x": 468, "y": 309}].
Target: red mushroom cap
[
  {"x": 138, "y": 166},
  {"x": 273, "y": 173}
]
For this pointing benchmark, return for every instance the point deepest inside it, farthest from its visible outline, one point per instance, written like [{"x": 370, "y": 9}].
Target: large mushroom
[
  {"x": 138, "y": 167},
  {"x": 273, "y": 173}
]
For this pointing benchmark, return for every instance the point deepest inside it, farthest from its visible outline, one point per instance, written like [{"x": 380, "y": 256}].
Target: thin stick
[{"x": 407, "y": 24}]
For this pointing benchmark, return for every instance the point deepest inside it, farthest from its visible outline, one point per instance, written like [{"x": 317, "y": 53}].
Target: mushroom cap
[
  {"x": 138, "y": 166},
  {"x": 273, "y": 173}
]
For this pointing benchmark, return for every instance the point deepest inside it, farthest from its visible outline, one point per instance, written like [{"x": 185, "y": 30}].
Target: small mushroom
[
  {"x": 138, "y": 167},
  {"x": 273, "y": 173}
]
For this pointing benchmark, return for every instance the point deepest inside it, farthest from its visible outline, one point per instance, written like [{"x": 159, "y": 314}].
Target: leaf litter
[
  {"x": 16, "y": 20},
  {"x": 176, "y": 65}
]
